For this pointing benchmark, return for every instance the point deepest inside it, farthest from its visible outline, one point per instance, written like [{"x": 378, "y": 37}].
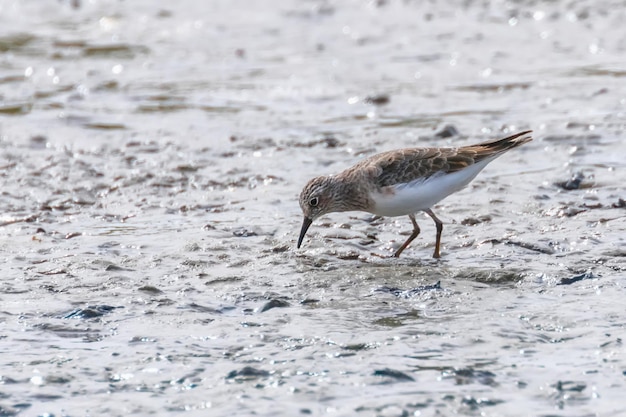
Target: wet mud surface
[{"x": 151, "y": 156}]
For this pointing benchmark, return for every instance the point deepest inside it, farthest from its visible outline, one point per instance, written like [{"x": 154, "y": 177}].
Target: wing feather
[{"x": 411, "y": 164}]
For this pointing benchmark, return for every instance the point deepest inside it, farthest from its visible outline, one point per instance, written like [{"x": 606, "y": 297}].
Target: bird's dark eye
[{"x": 314, "y": 201}]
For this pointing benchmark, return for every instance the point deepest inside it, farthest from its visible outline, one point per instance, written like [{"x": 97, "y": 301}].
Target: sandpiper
[{"x": 402, "y": 182}]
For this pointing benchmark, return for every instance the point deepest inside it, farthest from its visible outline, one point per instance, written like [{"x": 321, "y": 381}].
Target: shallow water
[{"x": 151, "y": 155}]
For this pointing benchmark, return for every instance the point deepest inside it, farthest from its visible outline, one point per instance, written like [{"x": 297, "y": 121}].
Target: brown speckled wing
[{"x": 406, "y": 165}]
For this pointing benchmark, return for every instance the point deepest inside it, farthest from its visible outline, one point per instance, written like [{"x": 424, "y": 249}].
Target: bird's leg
[
  {"x": 439, "y": 225},
  {"x": 416, "y": 231}
]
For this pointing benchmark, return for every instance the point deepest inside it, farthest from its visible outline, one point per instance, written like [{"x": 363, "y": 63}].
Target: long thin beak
[{"x": 305, "y": 226}]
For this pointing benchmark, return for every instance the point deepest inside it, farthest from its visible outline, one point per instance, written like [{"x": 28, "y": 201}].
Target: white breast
[{"x": 418, "y": 195}]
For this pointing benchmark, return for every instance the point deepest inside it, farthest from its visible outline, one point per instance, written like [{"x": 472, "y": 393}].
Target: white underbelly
[{"x": 421, "y": 195}]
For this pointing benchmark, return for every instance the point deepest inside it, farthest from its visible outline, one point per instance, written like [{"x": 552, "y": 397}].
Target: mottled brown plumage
[
  {"x": 406, "y": 165},
  {"x": 401, "y": 182}
]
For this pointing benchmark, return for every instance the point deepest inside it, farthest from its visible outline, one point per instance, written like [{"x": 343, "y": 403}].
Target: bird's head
[{"x": 317, "y": 198}]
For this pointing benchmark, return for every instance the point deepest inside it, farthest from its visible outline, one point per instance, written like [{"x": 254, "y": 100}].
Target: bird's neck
[{"x": 351, "y": 196}]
